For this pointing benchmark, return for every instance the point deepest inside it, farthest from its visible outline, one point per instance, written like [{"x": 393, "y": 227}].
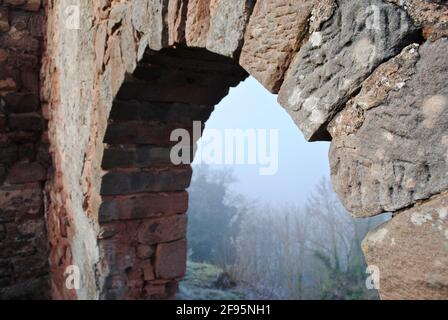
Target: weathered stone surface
[
  {"x": 274, "y": 34},
  {"x": 21, "y": 102},
  {"x": 128, "y": 45},
  {"x": 144, "y": 252},
  {"x": 157, "y": 111},
  {"x": 4, "y": 20},
  {"x": 162, "y": 230},
  {"x": 227, "y": 26},
  {"x": 390, "y": 144},
  {"x": 158, "y": 28},
  {"x": 27, "y": 172},
  {"x": 198, "y": 22},
  {"x": 143, "y": 206},
  {"x": 431, "y": 15},
  {"x": 140, "y": 157},
  {"x": 411, "y": 252},
  {"x": 171, "y": 260},
  {"x": 177, "y": 19},
  {"x": 332, "y": 65},
  {"x": 322, "y": 11},
  {"x": 187, "y": 94},
  {"x": 140, "y": 133},
  {"x": 161, "y": 290},
  {"x": 29, "y": 5},
  {"x": 155, "y": 180},
  {"x": 140, "y": 15}
]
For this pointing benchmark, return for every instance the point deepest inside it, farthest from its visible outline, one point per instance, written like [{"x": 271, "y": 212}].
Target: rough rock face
[
  {"x": 274, "y": 34},
  {"x": 85, "y": 141},
  {"x": 431, "y": 15},
  {"x": 198, "y": 22},
  {"x": 411, "y": 252},
  {"x": 227, "y": 26},
  {"x": 377, "y": 162},
  {"x": 338, "y": 58}
]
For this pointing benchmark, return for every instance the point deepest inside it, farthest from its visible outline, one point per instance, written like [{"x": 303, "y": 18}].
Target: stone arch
[
  {"x": 338, "y": 73},
  {"x": 144, "y": 202}
]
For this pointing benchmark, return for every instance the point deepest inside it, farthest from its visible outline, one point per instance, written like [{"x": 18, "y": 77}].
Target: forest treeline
[{"x": 310, "y": 251}]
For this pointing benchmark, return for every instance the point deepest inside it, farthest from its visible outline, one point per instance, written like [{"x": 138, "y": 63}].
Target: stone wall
[
  {"x": 24, "y": 156},
  {"x": 369, "y": 75}
]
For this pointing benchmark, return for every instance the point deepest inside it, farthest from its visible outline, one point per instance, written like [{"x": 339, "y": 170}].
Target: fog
[
  {"x": 300, "y": 164},
  {"x": 278, "y": 236}
]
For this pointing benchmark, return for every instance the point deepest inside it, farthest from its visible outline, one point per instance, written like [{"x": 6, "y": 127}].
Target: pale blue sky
[{"x": 301, "y": 164}]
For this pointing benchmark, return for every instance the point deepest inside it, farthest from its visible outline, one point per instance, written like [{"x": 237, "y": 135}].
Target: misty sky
[{"x": 300, "y": 164}]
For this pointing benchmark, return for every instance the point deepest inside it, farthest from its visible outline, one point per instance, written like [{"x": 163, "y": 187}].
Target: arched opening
[
  {"x": 143, "y": 214},
  {"x": 278, "y": 236},
  {"x": 144, "y": 201}
]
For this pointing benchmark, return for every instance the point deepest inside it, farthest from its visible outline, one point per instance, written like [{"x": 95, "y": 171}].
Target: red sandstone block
[
  {"x": 4, "y": 20},
  {"x": 156, "y": 180},
  {"x": 27, "y": 172},
  {"x": 26, "y": 122},
  {"x": 8, "y": 84},
  {"x": 158, "y": 111},
  {"x": 30, "y": 81},
  {"x": 5, "y": 266},
  {"x": 143, "y": 206},
  {"x": 22, "y": 102},
  {"x": 148, "y": 271},
  {"x": 29, "y": 5},
  {"x": 20, "y": 137},
  {"x": 2, "y": 174},
  {"x": 135, "y": 278},
  {"x": 117, "y": 256},
  {"x": 2, "y": 233},
  {"x": 19, "y": 20},
  {"x": 155, "y": 290},
  {"x": 30, "y": 266},
  {"x": 176, "y": 77},
  {"x": 135, "y": 157},
  {"x": 184, "y": 94},
  {"x": 171, "y": 259},
  {"x": 10, "y": 79},
  {"x": 23, "y": 60},
  {"x": 144, "y": 252},
  {"x": 9, "y": 154},
  {"x": 3, "y": 123},
  {"x": 32, "y": 5},
  {"x": 24, "y": 42},
  {"x": 160, "y": 290},
  {"x": 37, "y": 23},
  {"x": 12, "y": 247},
  {"x": 27, "y": 152},
  {"x": 164, "y": 229},
  {"x": 128, "y": 132},
  {"x": 43, "y": 154},
  {"x": 20, "y": 202}
]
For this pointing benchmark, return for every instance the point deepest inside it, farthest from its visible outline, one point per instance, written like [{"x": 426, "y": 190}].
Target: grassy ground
[{"x": 199, "y": 284}]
